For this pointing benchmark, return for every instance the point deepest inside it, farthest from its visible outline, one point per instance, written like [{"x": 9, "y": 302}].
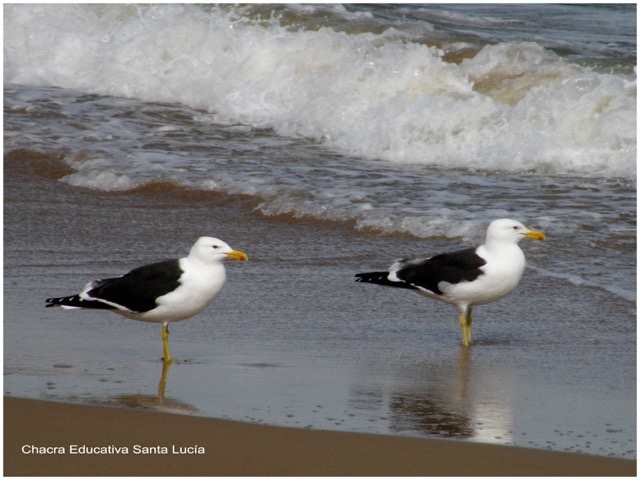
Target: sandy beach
[{"x": 130, "y": 442}]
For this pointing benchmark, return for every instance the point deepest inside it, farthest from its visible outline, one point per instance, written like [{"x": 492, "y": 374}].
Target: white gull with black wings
[
  {"x": 162, "y": 292},
  {"x": 473, "y": 276}
]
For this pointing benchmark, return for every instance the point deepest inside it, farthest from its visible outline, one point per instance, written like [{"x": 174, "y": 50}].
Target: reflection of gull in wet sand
[
  {"x": 156, "y": 402},
  {"x": 442, "y": 406},
  {"x": 162, "y": 292},
  {"x": 474, "y": 276}
]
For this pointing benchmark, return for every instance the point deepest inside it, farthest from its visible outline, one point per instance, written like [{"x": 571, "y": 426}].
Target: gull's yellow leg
[
  {"x": 463, "y": 327},
  {"x": 163, "y": 380},
  {"x": 165, "y": 340},
  {"x": 469, "y": 326}
]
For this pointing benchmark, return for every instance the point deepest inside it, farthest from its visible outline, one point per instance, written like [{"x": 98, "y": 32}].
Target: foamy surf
[
  {"x": 394, "y": 120},
  {"x": 512, "y": 107}
]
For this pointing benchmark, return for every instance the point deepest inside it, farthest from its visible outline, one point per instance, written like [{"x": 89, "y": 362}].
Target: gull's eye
[{"x": 215, "y": 247}]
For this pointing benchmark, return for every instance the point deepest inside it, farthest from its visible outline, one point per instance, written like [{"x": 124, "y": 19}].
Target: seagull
[
  {"x": 468, "y": 277},
  {"x": 162, "y": 292}
]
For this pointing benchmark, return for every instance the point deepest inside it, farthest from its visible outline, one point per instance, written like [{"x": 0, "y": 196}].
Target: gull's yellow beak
[
  {"x": 237, "y": 255},
  {"x": 535, "y": 235}
]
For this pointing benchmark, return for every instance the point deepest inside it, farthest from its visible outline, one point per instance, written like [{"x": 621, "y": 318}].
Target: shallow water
[
  {"x": 317, "y": 179},
  {"x": 293, "y": 341}
]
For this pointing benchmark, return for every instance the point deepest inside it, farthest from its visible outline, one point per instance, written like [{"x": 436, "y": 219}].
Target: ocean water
[{"x": 340, "y": 137}]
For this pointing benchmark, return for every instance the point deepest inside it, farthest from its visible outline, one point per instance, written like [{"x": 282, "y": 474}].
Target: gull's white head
[
  {"x": 210, "y": 250},
  {"x": 505, "y": 230}
]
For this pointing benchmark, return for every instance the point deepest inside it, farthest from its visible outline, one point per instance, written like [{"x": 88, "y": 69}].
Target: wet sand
[
  {"x": 292, "y": 340},
  {"x": 234, "y": 448}
]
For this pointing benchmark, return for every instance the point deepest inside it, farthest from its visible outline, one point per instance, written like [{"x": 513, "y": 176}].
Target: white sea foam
[{"x": 514, "y": 107}]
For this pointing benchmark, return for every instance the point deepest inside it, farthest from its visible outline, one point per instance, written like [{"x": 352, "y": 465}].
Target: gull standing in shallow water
[
  {"x": 465, "y": 278},
  {"x": 162, "y": 292}
]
